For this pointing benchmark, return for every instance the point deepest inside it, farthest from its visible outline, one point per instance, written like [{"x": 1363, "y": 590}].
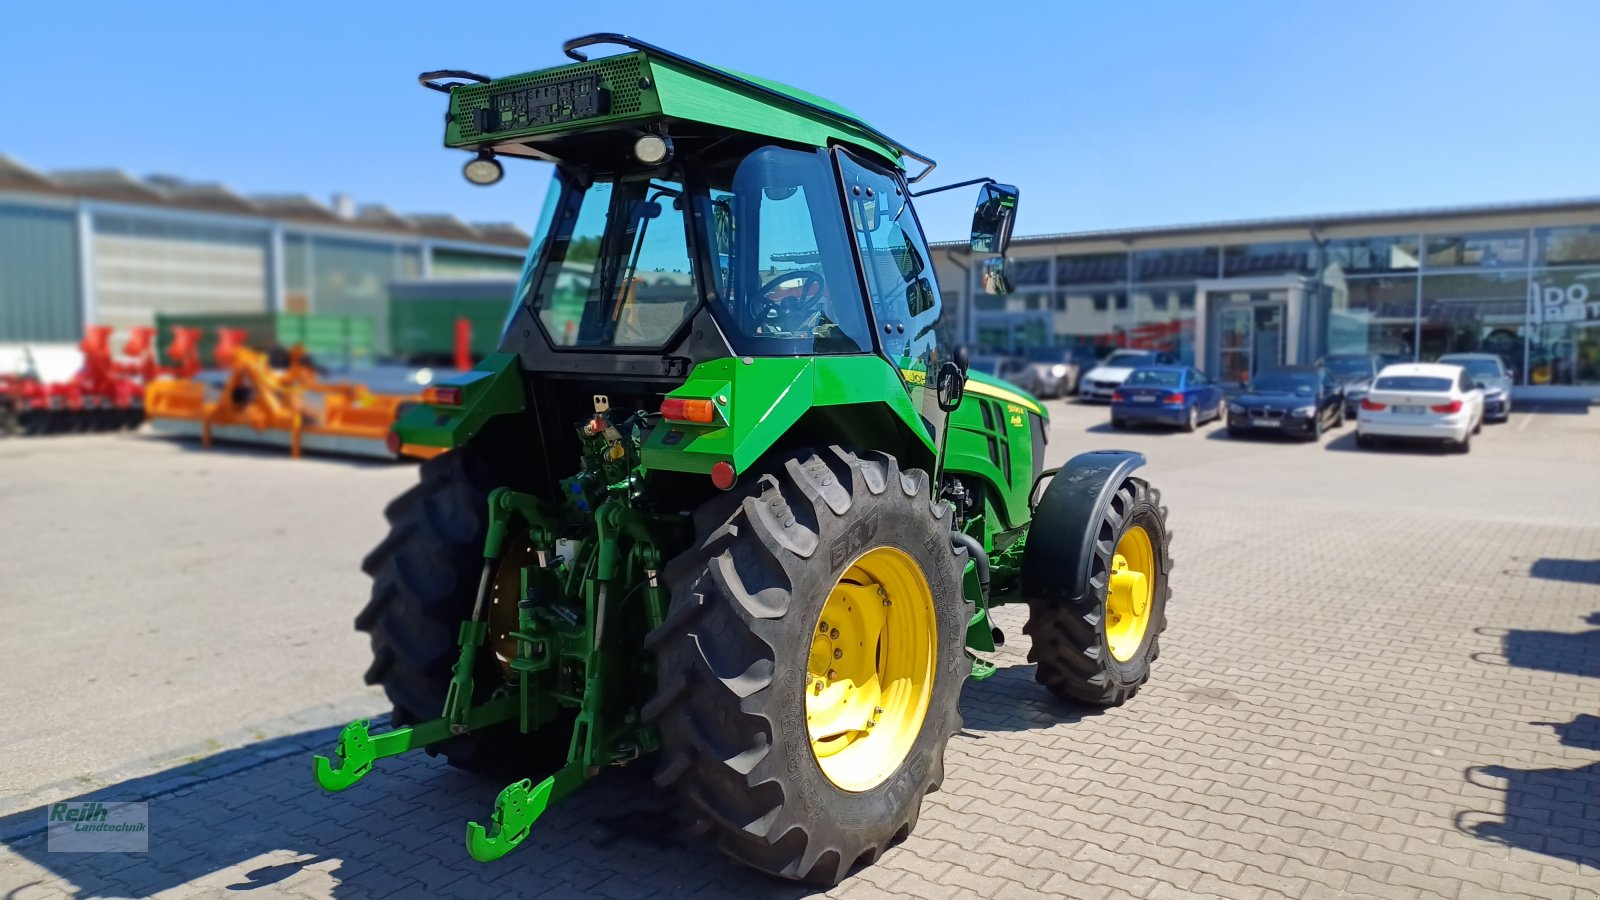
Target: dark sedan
[
  {"x": 1354, "y": 372},
  {"x": 1299, "y": 400}
]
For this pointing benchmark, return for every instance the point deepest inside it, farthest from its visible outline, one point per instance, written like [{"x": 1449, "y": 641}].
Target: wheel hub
[
  {"x": 1128, "y": 595},
  {"x": 869, "y": 673}
]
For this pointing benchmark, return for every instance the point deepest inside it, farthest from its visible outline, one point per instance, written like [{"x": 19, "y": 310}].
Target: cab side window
[{"x": 895, "y": 260}]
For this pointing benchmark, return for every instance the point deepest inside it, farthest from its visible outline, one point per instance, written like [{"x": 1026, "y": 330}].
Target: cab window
[
  {"x": 784, "y": 275},
  {"x": 895, "y": 261}
]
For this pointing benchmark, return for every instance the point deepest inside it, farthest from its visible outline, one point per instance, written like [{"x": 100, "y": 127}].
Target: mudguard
[{"x": 1060, "y": 550}]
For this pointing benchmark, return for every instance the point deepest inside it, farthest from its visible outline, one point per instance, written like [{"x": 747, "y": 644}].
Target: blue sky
[{"x": 1105, "y": 115}]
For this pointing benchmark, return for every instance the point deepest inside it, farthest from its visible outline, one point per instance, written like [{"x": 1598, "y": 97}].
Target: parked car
[
  {"x": 1051, "y": 372},
  {"x": 1101, "y": 381},
  {"x": 1422, "y": 401},
  {"x": 1354, "y": 372},
  {"x": 1167, "y": 395},
  {"x": 1299, "y": 400},
  {"x": 1005, "y": 368},
  {"x": 1488, "y": 372}
]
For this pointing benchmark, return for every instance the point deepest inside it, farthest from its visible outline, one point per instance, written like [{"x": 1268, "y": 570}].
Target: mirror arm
[{"x": 951, "y": 187}]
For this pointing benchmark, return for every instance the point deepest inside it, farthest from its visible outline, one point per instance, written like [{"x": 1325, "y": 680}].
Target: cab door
[{"x": 897, "y": 270}]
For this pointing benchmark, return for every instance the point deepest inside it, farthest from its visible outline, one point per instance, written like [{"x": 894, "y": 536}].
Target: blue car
[{"x": 1167, "y": 395}]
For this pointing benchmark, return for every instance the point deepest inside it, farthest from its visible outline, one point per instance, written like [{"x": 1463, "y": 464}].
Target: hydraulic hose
[{"x": 962, "y": 539}]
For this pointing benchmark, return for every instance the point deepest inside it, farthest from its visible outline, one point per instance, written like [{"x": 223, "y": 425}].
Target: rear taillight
[
  {"x": 442, "y": 396},
  {"x": 1370, "y": 406},
  {"x": 1454, "y": 406},
  {"x": 1171, "y": 399},
  {"x": 679, "y": 409},
  {"x": 1118, "y": 397}
]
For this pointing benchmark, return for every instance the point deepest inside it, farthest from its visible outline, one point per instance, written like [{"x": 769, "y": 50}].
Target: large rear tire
[
  {"x": 783, "y": 574},
  {"x": 1099, "y": 649},
  {"x": 424, "y": 582}
]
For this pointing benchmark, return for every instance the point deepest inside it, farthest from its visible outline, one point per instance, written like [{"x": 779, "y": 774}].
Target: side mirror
[
  {"x": 992, "y": 272},
  {"x": 993, "y": 218},
  {"x": 951, "y": 385}
]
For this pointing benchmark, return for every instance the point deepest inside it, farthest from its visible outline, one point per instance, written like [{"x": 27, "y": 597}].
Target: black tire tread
[
  {"x": 1068, "y": 639},
  {"x": 716, "y": 715}
]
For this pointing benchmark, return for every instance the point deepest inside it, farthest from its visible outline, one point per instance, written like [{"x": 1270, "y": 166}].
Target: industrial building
[
  {"x": 104, "y": 247},
  {"x": 1520, "y": 280}
]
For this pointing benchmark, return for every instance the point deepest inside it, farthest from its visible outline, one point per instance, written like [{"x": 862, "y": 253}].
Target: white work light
[
  {"x": 483, "y": 170},
  {"x": 652, "y": 150}
]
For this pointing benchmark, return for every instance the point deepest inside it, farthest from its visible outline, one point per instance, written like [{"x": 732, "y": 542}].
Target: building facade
[
  {"x": 80, "y": 248},
  {"x": 1521, "y": 281}
]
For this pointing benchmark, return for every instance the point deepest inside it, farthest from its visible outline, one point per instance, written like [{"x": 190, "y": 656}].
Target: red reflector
[
  {"x": 1453, "y": 406},
  {"x": 392, "y": 441},
  {"x": 722, "y": 475},
  {"x": 1370, "y": 406},
  {"x": 442, "y": 396},
  {"x": 1118, "y": 397},
  {"x": 679, "y": 409},
  {"x": 1173, "y": 398}
]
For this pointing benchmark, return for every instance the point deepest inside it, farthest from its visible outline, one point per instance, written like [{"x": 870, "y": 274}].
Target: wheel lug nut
[
  {"x": 877, "y": 710},
  {"x": 838, "y": 654},
  {"x": 831, "y": 675},
  {"x": 834, "y": 634}
]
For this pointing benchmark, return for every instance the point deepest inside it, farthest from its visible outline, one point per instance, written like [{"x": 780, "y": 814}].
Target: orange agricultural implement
[{"x": 275, "y": 400}]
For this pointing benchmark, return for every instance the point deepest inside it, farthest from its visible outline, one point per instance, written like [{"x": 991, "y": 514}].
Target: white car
[
  {"x": 1100, "y": 382},
  {"x": 1421, "y": 401}
]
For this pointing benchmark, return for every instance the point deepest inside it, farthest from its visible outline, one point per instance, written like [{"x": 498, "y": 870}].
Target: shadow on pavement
[
  {"x": 1011, "y": 700},
  {"x": 1346, "y": 443},
  {"x": 1578, "y": 571},
  {"x": 1547, "y": 811},
  {"x": 253, "y": 818},
  {"x": 1565, "y": 652}
]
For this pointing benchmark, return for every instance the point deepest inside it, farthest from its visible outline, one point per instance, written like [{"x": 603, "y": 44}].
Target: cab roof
[{"x": 647, "y": 87}]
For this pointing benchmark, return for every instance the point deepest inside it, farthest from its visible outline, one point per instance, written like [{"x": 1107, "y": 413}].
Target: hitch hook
[
  {"x": 514, "y": 813},
  {"x": 356, "y": 755}
]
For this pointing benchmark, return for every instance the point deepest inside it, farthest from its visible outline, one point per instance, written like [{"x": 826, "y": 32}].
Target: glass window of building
[
  {"x": 1029, "y": 272},
  {"x": 1474, "y": 313},
  {"x": 1567, "y": 246},
  {"x": 1489, "y": 250},
  {"x": 1178, "y": 264},
  {"x": 1564, "y": 338},
  {"x": 1372, "y": 255},
  {"x": 1374, "y": 315},
  {"x": 1092, "y": 268},
  {"x": 1153, "y": 324},
  {"x": 1283, "y": 258}
]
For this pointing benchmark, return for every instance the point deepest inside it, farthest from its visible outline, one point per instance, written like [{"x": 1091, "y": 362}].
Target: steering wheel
[{"x": 797, "y": 307}]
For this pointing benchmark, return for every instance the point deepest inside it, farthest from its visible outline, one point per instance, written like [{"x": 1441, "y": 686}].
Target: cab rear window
[{"x": 1414, "y": 383}]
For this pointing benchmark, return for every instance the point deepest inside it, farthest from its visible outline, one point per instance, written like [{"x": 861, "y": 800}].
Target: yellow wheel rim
[
  {"x": 871, "y": 669},
  {"x": 1128, "y": 596}
]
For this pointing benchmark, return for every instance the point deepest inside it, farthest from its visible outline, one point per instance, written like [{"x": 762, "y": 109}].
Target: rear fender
[
  {"x": 759, "y": 401},
  {"x": 490, "y": 389},
  {"x": 1056, "y": 560}
]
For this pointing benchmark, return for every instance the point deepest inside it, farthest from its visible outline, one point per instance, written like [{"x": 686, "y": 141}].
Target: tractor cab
[{"x": 698, "y": 215}]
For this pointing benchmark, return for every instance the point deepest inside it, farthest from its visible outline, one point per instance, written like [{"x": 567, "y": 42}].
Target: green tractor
[{"x": 725, "y": 499}]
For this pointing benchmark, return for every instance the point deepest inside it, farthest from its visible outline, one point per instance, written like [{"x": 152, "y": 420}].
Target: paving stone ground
[{"x": 1381, "y": 678}]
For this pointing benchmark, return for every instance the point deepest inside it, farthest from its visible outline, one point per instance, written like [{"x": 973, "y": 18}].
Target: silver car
[{"x": 1490, "y": 373}]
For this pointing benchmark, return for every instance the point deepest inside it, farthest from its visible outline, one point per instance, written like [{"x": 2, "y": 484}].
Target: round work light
[
  {"x": 652, "y": 149},
  {"x": 484, "y": 170}
]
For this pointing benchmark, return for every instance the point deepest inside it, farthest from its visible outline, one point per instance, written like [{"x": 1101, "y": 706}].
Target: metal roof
[
  {"x": 169, "y": 191},
  {"x": 1327, "y": 220}
]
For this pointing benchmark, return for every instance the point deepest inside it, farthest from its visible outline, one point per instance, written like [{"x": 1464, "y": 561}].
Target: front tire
[
  {"x": 748, "y": 654},
  {"x": 1098, "y": 650}
]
